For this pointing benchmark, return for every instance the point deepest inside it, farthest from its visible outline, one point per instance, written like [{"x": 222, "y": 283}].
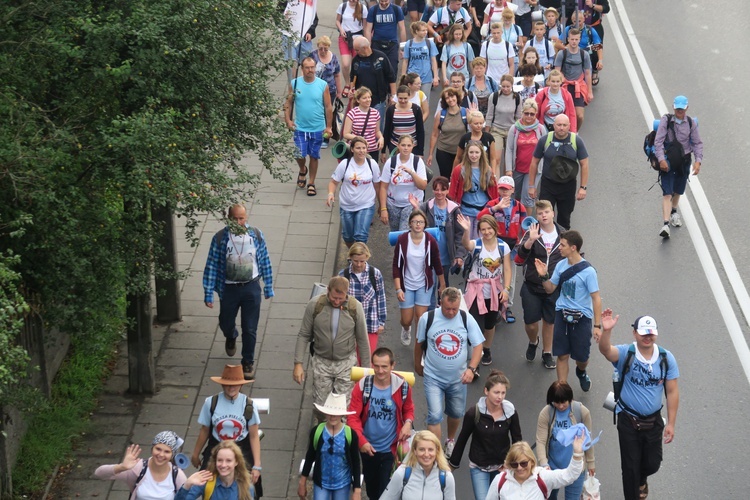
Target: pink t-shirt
[{"x": 525, "y": 146}]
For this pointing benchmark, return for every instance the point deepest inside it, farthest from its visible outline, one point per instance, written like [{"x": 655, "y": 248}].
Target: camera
[{"x": 455, "y": 268}]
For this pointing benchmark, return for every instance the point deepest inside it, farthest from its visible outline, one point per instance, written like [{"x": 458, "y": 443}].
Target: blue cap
[{"x": 680, "y": 102}]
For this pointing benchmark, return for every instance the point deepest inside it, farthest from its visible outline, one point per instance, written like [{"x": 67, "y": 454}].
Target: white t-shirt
[
  {"x": 488, "y": 265},
  {"x": 300, "y": 16},
  {"x": 445, "y": 16},
  {"x": 548, "y": 239},
  {"x": 497, "y": 12},
  {"x": 497, "y": 58},
  {"x": 417, "y": 98},
  {"x": 357, "y": 189},
  {"x": 348, "y": 23},
  {"x": 545, "y": 49},
  {"x": 149, "y": 489},
  {"x": 400, "y": 182},
  {"x": 414, "y": 277},
  {"x": 242, "y": 261}
]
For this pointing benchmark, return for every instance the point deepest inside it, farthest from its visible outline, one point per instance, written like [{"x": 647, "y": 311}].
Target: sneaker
[
  {"x": 405, "y": 335},
  {"x": 664, "y": 233},
  {"x": 325, "y": 144},
  {"x": 548, "y": 361},
  {"x": 486, "y": 356},
  {"x": 449, "y": 445},
  {"x": 230, "y": 345},
  {"x": 531, "y": 351},
  {"x": 509, "y": 318},
  {"x": 248, "y": 370},
  {"x": 585, "y": 381},
  {"x": 675, "y": 219}
]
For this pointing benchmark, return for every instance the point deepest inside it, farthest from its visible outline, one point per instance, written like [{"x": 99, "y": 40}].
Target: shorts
[
  {"x": 488, "y": 320},
  {"x": 672, "y": 183},
  {"x": 572, "y": 338},
  {"x": 344, "y": 47},
  {"x": 522, "y": 194},
  {"x": 308, "y": 144},
  {"x": 355, "y": 225},
  {"x": 295, "y": 51},
  {"x": 420, "y": 297},
  {"x": 415, "y": 5},
  {"x": 578, "y": 102},
  {"x": 439, "y": 394},
  {"x": 537, "y": 306}
]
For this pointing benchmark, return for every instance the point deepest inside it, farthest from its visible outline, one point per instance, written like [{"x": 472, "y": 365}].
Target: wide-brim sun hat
[
  {"x": 335, "y": 405},
  {"x": 232, "y": 375}
]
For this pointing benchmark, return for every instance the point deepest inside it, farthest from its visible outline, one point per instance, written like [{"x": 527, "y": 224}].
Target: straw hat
[
  {"x": 232, "y": 375},
  {"x": 335, "y": 405}
]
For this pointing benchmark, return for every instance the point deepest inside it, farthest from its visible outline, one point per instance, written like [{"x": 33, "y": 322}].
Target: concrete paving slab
[
  {"x": 295, "y": 282},
  {"x": 197, "y": 324},
  {"x": 285, "y": 326},
  {"x": 87, "y": 488},
  {"x": 309, "y": 228},
  {"x": 281, "y": 399},
  {"x": 275, "y": 379},
  {"x": 180, "y": 375},
  {"x": 303, "y": 255},
  {"x": 310, "y": 268},
  {"x": 116, "y": 405},
  {"x": 277, "y": 484},
  {"x": 306, "y": 241},
  {"x": 101, "y": 423},
  {"x": 269, "y": 210},
  {"x": 173, "y": 395},
  {"x": 198, "y": 308},
  {"x": 304, "y": 216},
  {"x": 104, "y": 445},
  {"x": 165, "y": 414},
  {"x": 278, "y": 198},
  {"x": 279, "y": 343},
  {"x": 276, "y": 360},
  {"x": 116, "y": 385},
  {"x": 189, "y": 340},
  {"x": 285, "y": 311},
  {"x": 182, "y": 357}
]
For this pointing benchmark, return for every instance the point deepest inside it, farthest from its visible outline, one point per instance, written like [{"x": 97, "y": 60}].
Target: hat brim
[
  {"x": 224, "y": 381},
  {"x": 335, "y": 412},
  {"x": 506, "y": 186},
  {"x": 650, "y": 331}
]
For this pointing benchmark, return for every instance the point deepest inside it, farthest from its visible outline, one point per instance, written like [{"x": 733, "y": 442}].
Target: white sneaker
[
  {"x": 664, "y": 233},
  {"x": 675, "y": 219},
  {"x": 449, "y": 445},
  {"x": 406, "y": 335}
]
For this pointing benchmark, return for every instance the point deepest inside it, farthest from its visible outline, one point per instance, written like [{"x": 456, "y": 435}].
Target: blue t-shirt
[
  {"x": 643, "y": 387},
  {"x": 441, "y": 217},
  {"x": 447, "y": 351},
  {"x": 419, "y": 54},
  {"x": 474, "y": 196},
  {"x": 559, "y": 455},
  {"x": 585, "y": 42},
  {"x": 380, "y": 426},
  {"x": 385, "y": 22},
  {"x": 336, "y": 471},
  {"x": 228, "y": 419},
  {"x": 309, "y": 109},
  {"x": 576, "y": 292}
]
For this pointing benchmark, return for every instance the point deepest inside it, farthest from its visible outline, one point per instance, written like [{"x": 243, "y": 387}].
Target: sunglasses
[
  {"x": 514, "y": 465},
  {"x": 529, "y": 114},
  {"x": 330, "y": 444}
]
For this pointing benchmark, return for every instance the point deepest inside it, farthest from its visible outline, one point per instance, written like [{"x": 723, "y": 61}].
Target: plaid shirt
[
  {"x": 216, "y": 264},
  {"x": 372, "y": 302}
]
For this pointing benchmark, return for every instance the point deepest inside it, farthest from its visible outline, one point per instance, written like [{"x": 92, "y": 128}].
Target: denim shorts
[
  {"x": 420, "y": 297},
  {"x": 672, "y": 183},
  {"x": 439, "y": 394},
  {"x": 538, "y": 306},
  {"x": 572, "y": 338},
  {"x": 355, "y": 225},
  {"x": 308, "y": 143}
]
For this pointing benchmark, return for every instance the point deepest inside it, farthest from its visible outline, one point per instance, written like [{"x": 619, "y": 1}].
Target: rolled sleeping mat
[
  {"x": 182, "y": 461},
  {"x": 263, "y": 405},
  {"x": 527, "y": 222},
  {"x": 393, "y": 235},
  {"x": 656, "y": 122},
  {"x": 359, "y": 372},
  {"x": 339, "y": 149},
  {"x": 317, "y": 289}
]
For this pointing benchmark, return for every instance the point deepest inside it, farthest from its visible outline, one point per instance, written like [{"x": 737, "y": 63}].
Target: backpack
[
  {"x": 351, "y": 307},
  {"x": 441, "y": 478},
  {"x": 617, "y": 386},
  {"x": 539, "y": 481},
  {"x": 175, "y": 471},
  {"x": 488, "y": 80},
  {"x": 370, "y": 273},
  {"x": 444, "y": 112},
  {"x": 649, "y": 149},
  {"x": 575, "y": 407},
  {"x": 319, "y": 432},
  {"x": 367, "y": 390},
  {"x": 495, "y": 95},
  {"x": 562, "y": 169},
  {"x": 431, "y": 318}
]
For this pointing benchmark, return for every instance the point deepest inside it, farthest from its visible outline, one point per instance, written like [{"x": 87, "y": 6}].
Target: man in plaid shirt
[{"x": 237, "y": 260}]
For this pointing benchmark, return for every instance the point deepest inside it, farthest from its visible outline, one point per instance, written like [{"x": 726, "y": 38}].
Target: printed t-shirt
[
  {"x": 548, "y": 239},
  {"x": 357, "y": 190},
  {"x": 489, "y": 265},
  {"x": 400, "y": 182},
  {"x": 228, "y": 419},
  {"x": 419, "y": 55},
  {"x": 242, "y": 264},
  {"x": 338, "y": 473},
  {"x": 559, "y": 455},
  {"x": 449, "y": 345},
  {"x": 642, "y": 387},
  {"x": 385, "y": 22},
  {"x": 555, "y": 105},
  {"x": 497, "y": 58},
  {"x": 457, "y": 58},
  {"x": 380, "y": 426},
  {"x": 576, "y": 292}
]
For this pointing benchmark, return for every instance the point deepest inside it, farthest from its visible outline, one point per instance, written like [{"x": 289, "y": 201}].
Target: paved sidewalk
[{"x": 302, "y": 235}]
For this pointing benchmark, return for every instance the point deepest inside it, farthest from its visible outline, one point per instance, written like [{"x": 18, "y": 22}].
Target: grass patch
[{"x": 53, "y": 431}]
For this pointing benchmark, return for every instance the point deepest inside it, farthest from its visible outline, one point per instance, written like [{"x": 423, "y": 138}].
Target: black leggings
[
  {"x": 445, "y": 162},
  {"x": 562, "y": 197}
]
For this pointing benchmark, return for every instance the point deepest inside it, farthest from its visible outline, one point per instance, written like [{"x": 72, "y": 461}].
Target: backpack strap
[
  {"x": 476, "y": 414},
  {"x": 542, "y": 485},
  {"x": 366, "y": 389},
  {"x": 348, "y": 434},
  {"x": 501, "y": 483},
  {"x": 576, "y": 409},
  {"x": 443, "y": 112},
  {"x": 371, "y": 273},
  {"x": 141, "y": 474},
  {"x": 442, "y": 479},
  {"x": 319, "y": 305},
  {"x": 573, "y": 270},
  {"x": 404, "y": 390},
  {"x": 175, "y": 471},
  {"x": 463, "y": 117},
  {"x": 209, "y": 490},
  {"x": 407, "y": 475},
  {"x": 318, "y": 433}
]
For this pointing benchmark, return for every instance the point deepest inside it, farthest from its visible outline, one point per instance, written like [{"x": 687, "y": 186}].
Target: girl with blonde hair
[{"x": 226, "y": 477}]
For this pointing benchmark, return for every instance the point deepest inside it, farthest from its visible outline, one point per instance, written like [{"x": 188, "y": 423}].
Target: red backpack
[{"x": 539, "y": 481}]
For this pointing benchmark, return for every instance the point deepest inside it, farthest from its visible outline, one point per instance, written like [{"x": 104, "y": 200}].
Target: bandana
[{"x": 169, "y": 438}]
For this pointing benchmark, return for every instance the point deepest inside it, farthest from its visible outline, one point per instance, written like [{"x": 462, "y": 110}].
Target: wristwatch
[
  {"x": 583, "y": 187},
  {"x": 473, "y": 370}
]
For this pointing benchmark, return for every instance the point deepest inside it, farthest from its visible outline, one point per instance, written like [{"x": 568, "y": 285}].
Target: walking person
[
  {"x": 404, "y": 175},
  {"x": 673, "y": 151},
  {"x": 555, "y": 100},
  {"x": 363, "y": 120},
  {"x": 226, "y": 477},
  {"x": 575, "y": 65},
  {"x": 237, "y": 260},
  {"x": 481, "y": 84},
  {"x": 473, "y": 184},
  {"x": 404, "y": 119},
  {"x": 447, "y": 130},
  {"x": 372, "y": 69},
  {"x": 493, "y": 425},
  {"x": 414, "y": 83},
  {"x": 385, "y": 29},
  {"x": 327, "y": 68},
  {"x": 350, "y": 20},
  {"x": 420, "y": 57},
  {"x": 522, "y": 139},
  {"x": 503, "y": 110},
  {"x": 477, "y": 133}
]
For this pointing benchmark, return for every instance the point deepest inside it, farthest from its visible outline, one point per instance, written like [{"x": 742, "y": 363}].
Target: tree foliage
[{"x": 109, "y": 110}]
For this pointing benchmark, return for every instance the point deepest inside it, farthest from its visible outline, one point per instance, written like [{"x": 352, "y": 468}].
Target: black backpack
[
  {"x": 648, "y": 142},
  {"x": 371, "y": 274},
  {"x": 175, "y": 471},
  {"x": 494, "y": 102}
]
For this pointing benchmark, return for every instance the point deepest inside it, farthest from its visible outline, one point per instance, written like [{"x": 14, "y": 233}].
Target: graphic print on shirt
[
  {"x": 648, "y": 375},
  {"x": 228, "y": 427},
  {"x": 357, "y": 181},
  {"x": 569, "y": 288},
  {"x": 448, "y": 344},
  {"x": 382, "y": 409},
  {"x": 240, "y": 257}
]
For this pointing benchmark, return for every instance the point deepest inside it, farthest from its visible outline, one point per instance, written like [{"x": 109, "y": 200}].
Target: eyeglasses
[
  {"x": 418, "y": 222},
  {"x": 514, "y": 465},
  {"x": 529, "y": 114}
]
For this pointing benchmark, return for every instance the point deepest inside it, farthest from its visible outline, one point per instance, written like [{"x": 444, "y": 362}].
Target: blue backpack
[{"x": 441, "y": 478}]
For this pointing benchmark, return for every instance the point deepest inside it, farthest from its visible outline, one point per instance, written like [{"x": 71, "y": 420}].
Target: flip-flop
[
  {"x": 595, "y": 79},
  {"x": 311, "y": 190},
  {"x": 302, "y": 179},
  {"x": 644, "y": 491}
]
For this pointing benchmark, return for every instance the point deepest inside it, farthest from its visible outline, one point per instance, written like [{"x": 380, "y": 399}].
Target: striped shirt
[
  {"x": 404, "y": 123},
  {"x": 358, "y": 118}
]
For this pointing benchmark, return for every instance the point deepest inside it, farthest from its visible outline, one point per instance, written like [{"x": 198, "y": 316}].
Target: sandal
[
  {"x": 595, "y": 79},
  {"x": 311, "y": 190},
  {"x": 302, "y": 179},
  {"x": 644, "y": 491}
]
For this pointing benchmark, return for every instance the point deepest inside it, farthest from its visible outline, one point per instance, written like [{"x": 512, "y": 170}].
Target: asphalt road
[{"x": 639, "y": 273}]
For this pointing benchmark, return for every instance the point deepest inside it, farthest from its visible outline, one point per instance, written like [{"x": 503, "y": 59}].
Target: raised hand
[
  {"x": 464, "y": 222},
  {"x": 132, "y": 456}
]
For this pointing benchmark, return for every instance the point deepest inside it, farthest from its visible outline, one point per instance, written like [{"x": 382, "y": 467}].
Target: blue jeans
[
  {"x": 244, "y": 298},
  {"x": 573, "y": 490},
  {"x": 434, "y": 298},
  {"x": 324, "y": 494},
  {"x": 480, "y": 482},
  {"x": 439, "y": 394},
  {"x": 355, "y": 226},
  {"x": 381, "y": 109}
]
